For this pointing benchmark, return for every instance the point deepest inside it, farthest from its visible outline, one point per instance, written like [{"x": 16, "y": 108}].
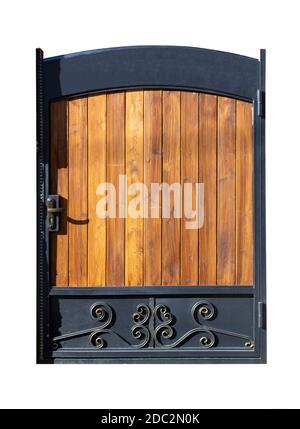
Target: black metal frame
[{"x": 166, "y": 67}]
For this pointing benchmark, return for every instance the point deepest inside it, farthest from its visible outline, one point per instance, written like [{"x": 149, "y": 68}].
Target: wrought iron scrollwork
[
  {"x": 164, "y": 330},
  {"x": 154, "y": 326},
  {"x": 96, "y": 339},
  {"x": 203, "y": 310},
  {"x": 142, "y": 314},
  {"x": 103, "y": 314},
  {"x": 139, "y": 330}
]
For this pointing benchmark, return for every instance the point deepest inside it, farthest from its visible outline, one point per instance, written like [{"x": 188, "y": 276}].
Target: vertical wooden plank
[
  {"x": 171, "y": 174},
  {"x": 115, "y": 262},
  {"x": 152, "y": 174},
  {"x": 77, "y": 214},
  {"x": 226, "y": 273},
  {"x": 134, "y": 235},
  {"x": 208, "y": 176},
  {"x": 59, "y": 267},
  {"x": 189, "y": 174},
  {"x": 244, "y": 194},
  {"x": 96, "y": 175}
]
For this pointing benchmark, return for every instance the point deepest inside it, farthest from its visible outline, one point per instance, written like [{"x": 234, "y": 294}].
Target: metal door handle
[{"x": 53, "y": 210}]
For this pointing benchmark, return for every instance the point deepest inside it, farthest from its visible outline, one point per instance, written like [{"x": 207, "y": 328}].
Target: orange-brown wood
[
  {"x": 208, "y": 176},
  {"x": 152, "y": 174},
  {"x": 171, "y": 174},
  {"x": 96, "y": 175},
  {"x": 59, "y": 247},
  {"x": 77, "y": 210},
  {"x": 244, "y": 194},
  {"x": 226, "y": 274},
  {"x": 134, "y": 237},
  {"x": 152, "y": 136},
  {"x": 115, "y": 262},
  {"x": 189, "y": 174}
]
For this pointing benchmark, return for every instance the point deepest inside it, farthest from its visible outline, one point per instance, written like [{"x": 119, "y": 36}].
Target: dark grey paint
[{"x": 151, "y": 66}]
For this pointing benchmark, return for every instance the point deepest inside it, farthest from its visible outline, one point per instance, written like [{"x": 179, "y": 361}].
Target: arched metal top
[{"x": 173, "y": 67}]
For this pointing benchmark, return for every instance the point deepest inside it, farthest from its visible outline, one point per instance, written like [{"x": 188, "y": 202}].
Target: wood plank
[
  {"x": 226, "y": 272},
  {"x": 171, "y": 174},
  {"x": 115, "y": 265},
  {"x": 96, "y": 175},
  {"x": 134, "y": 235},
  {"x": 189, "y": 174},
  {"x": 59, "y": 248},
  {"x": 244, "y": 194},
  {"x": 208, "y": 176},
  {"x": 152, "y": 174},
  {"x": 78, "y": 214}
]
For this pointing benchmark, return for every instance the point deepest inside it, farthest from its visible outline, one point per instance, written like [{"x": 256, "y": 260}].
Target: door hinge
[
  {"x": 260, "y": 103},
  {"x": 262, "y": 321}
]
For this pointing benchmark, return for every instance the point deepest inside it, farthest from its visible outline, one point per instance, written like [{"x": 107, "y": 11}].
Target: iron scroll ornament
[
  {"x": 153, "y": 327},
  {"x": 164, "y": 329}
]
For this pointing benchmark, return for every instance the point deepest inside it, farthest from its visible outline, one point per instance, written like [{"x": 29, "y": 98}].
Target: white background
[{"x": 60, "y": 27}]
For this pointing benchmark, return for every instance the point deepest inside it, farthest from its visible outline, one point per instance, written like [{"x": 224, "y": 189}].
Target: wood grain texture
[
  {"x": 59, "y": 246},
  {"x": 152, "y": 174},
  {"x": 189, "y": 174},
  {"x": 134, "y": 236},
  {"x": 77, "y": 213},
  {"x": 208, "y": 176},
  {"x": 153, "y": 136},
  {"x": 171, "y": 174},
  {"x": 244, "y": 194},
  {"x": 115, "y": 262},
  {"x": 96, "y": 175},
  {"x": 226, "y": 252}
]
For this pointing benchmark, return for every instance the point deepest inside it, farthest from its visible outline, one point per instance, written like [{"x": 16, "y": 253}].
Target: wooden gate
[{"x": 151, "y": 233}]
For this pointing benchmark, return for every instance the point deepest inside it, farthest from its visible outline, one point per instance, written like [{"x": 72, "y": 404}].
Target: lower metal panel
[{"x": 193, "y": 326}]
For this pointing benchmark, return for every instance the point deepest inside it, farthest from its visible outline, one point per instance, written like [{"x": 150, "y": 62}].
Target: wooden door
[
  {"x": 151, "y": 233},
  {"x": 152, "y": 136}
]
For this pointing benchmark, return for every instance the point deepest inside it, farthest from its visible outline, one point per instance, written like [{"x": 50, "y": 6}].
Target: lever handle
[
  {"x": 55, "y": 209},
  {"x": 52, "y": 212}
]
